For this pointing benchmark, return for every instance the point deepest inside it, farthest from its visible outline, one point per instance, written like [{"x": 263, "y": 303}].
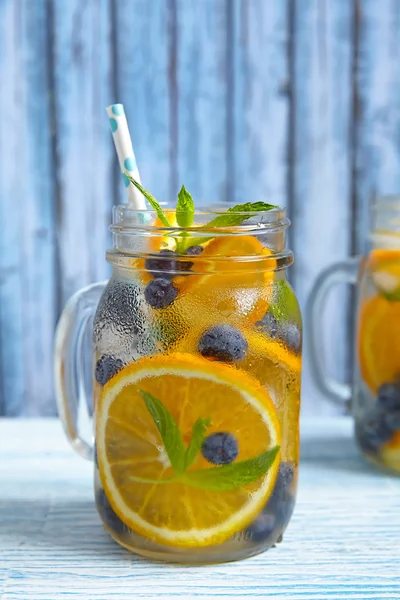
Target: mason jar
[
  {"x": 196, "y": 385},
  {"x": 374, "y": 395}
]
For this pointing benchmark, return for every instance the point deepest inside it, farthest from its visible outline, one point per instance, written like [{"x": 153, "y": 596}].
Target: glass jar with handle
[
  {"x": 196, "y": 384},
  {"x": 374, "y": 395}
]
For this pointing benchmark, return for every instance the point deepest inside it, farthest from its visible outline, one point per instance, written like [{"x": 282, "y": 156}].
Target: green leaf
[
  {"x": 234, "y": 217},
  {"x": 184, "y": 208},
  {"x": 233, "y": 476},
  {"x": 198, "y": 432},
  {"x": 152, "y": 201},
  {"x": 284, "y": 305},
  {"x": 169, "y": 431}
]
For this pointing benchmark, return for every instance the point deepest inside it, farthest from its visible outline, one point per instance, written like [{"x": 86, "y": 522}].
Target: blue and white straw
[{"x": 126, "y": 156}]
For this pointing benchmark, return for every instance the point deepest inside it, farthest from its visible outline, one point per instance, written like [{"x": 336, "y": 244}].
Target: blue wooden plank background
[{"x": 292, "y": 101}]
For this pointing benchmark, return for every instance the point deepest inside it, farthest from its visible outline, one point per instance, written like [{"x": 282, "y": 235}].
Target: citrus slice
[
  {"x": 390, "y": 452},
  {"x": 379, "y": 341},
  {"x": 234, "y": 274},
  {"x": 384, "y": 266},
  {"x": 135, "y": 467}
]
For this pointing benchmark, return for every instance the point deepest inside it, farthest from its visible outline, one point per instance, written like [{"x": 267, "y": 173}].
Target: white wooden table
[{"x": 343, "y": 541}]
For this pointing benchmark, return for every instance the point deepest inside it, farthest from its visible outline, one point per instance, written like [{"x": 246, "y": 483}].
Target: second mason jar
[
  {"x": 197, "y": 360},
  {"x": 374, "y": 397}
]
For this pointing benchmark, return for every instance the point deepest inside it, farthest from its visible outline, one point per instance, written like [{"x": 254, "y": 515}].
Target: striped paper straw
[{"x": 126, "y": 156}]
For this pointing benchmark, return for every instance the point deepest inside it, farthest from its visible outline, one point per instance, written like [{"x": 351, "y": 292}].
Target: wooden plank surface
[
  {"x": 342, "y": 541},
  {"x": 322, "y": 51},
  {"x": 202, "y": 65},
  {"x": 377, "y": 143},
  {"x": 259, "y": 101},
  {"x": 145, "y": 72},
  {"x": 81, "y": 38}
]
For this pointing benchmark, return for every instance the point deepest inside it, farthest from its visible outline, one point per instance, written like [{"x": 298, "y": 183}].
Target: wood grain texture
[
  {"x": 259, "y": 101},
  {"x": 145, "y": 71},
  {"x": 83, "y": 88},
  {"x": 12, "y": 383},
  {"x": 377, "y": 142},
  {"x": 321, "y": 203},
  {"x": 342, "y": 541},
  {"x": 202, "y": 86}
]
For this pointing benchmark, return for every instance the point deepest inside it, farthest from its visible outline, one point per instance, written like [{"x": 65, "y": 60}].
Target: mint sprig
[
  {"x": 233, "y": 476},
  {"x": 221, "y": 478},
  {"x": 169, "y": 431},
  {"x": 198, "y": 435},
  {"x": 234, "y": 216},
  {"x": 184, "y": 208},
  {"x": 152, "y": 201}
]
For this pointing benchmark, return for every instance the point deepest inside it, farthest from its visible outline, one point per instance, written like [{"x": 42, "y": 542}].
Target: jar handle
[
  {"x": 342, "y": 272},
  {"x": 69, "y": 366}
]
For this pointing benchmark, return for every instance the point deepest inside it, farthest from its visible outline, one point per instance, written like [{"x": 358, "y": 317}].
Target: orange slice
[
  {"x": 379, "y": 341},
  {"x": 384, "y": 266},
  {"x": 134, "y": 466},
  {"x": 240, "y": 286}
]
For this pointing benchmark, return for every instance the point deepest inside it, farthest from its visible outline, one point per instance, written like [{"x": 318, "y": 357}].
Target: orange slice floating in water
[
  {"x": 384, "y": 266},
  {"x": 134, "y": 465},
  {"x": 379, "y": 341}
]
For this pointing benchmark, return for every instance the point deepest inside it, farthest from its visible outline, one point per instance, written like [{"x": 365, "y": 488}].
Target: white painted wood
[
  {"x": 342, "y": 541},
  {"x": 321, "y": 204},
  {"x": 259, "y": 101}
]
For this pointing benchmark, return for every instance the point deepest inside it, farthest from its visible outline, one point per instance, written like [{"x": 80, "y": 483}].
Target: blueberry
[
  {"x": 288, "y": 333},
  {"x": 283, "y": 481},
  {"x": 224, "y": 343},
  {"x": 262, "y": 528},
  {"x": 160, "y": 292},
  {"x": 392, "y": 420},
  {"x": 269, "y": 324},
  {"x": 389, "y": 396},
  {"x": 220, "y": 448},
  {"x": 106, "y": 367},
  {"x": 186, "y": 265},
  {"x": 373, "y": 432},
  {"x": 291, "y": 336},
  {"x": 194, "y": 250},
  {"x": 108, "y": 515},
  {"x": 162, "y": 265}
]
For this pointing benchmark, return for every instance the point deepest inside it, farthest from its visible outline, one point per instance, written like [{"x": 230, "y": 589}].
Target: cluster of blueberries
[
  {"x": 161, "y": 292},
  {"x": 379, "y": 425}
]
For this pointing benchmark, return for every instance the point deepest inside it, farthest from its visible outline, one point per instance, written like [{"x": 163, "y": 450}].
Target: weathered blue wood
[
  {"x": 83, "y": 88},
  {"x": 377, "y": 142},
  {"x": 144, "y": 69},
  {"x": 342, "y": 541},
  {"x": 11, "y": 206},
  {"x": 258, "y": 101},
  {"x": 38, "y": 223},
  {"x": 26, "y": 239},
  {"x": 321, "y": 150},
  {"x": 203, "y": 64}
]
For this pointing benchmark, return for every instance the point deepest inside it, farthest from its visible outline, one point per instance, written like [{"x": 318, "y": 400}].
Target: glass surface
[{"x": 222, "y": 324}]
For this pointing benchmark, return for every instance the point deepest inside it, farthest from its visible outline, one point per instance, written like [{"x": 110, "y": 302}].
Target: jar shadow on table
[
  {"x": 51, "y": 525},
  {"x": 335, "y": 453}
]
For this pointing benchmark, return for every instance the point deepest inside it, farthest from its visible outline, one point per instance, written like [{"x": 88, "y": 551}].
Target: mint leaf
[
  {"x": 184, "y": 208},
  {"x": 169, "y": 431},
  {"x": 233, "y": 476},
  {"x": 284, "y": 306},
  {"x": 233, "y": 217},
  {"x": 198, "y": 432},
  {"x": 152, "y": 201}
]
